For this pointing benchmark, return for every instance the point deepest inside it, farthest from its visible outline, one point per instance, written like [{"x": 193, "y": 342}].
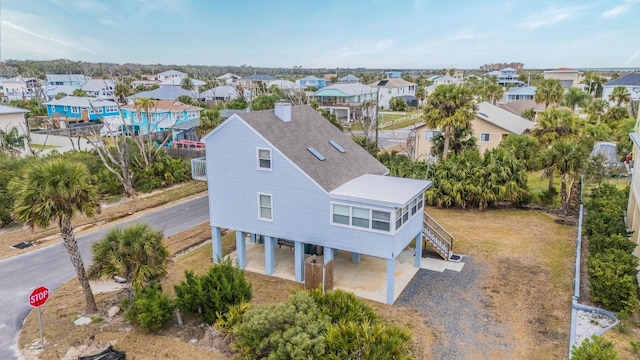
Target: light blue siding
[
  {"x": 66, "y": 111},
  {"x": 301, "y": 209}
]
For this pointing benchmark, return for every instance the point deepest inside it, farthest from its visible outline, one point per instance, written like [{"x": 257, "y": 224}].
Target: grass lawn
[{"x": 528, "y": 257}]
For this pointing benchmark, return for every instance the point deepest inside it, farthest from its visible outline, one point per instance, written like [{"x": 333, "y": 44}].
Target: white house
[
  {"x": 506, "y": 76},
  {"x": 630, "y": 81},
  {"x": 101, "y": 88},
  {"x": 18, "y": 88},
  {"x": 392, "y": 87}
]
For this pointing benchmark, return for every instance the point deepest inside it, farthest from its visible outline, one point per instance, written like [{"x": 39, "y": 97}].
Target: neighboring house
[
  {"x": 255, "y": 79},
  {"x": 517, "y": 107},
  {"x": 349, "y": 79},
  {"x": 288, "y": 175},
  {"x": 13, "y": 117},
  {"x": 567, "y": 77},
  {"x": 284, "y": 85},
  {"x": 163, "y": 93},
  {"x": 164, "y": 115},
  {"x": 171, "y": 77},
  {"x": 394, "y": 74},
  {"x": 392, "y": 87},
  {"x": 490, "y": 126},
  {"x": 101, "y": 88},
  {"x": 82, "y": 108},
  {"x": 76, "y": 81},
  {"x": 220, "y": 93},
  {"x": 458, "y": 74},
  {"x": 629, "y": 81},
  {"x": 19, "y": 88},
  {"x": 227, "y": 78},
  {"x": 633, "y": 209},
  {"x": 506, "y": 76},
  {"x": 146, "y": 83},
  {"x": 340, "y": 98},
  {"x": 52, "y": 91},
  {"x": 312, "y": 81},
  {"x": 519, "y": 93},
  {"x": 445, "y": 80}
]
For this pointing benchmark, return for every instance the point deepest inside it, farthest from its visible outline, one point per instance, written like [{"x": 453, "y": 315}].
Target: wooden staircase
[{"x": 439, "y": 238}]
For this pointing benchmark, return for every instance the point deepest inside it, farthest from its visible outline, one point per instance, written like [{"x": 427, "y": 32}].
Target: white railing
[
  {"x": 199, "y": 168},
  {"x": 438, "y": 237}
]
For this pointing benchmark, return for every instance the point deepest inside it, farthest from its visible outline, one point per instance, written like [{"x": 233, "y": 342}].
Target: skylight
[
  {"x": 338, "y": 147},
  {"x": 316, "y": 153}
]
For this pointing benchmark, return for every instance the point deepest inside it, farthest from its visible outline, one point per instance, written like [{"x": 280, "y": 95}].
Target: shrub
[
  {"x": 612, "y": 277},
  {"x": 291, "y": 330},
  {"x": 635, "y": 346},
  {"x": 149, "y": 309},
  {"x": 605, "y": 223},
  {"x": 210, "y": 295},
  {"x": 363, "y": 340},
  {"x": 595, "y": 348},
  {"x": 342, "y": 306},
  {"x": 599, "y": 243},
  {"x": 226, "y": 321}
]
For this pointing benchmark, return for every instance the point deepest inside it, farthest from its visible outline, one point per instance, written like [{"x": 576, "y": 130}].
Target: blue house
[
  {"x": 520, "y": 93},
  {"x": 312, "y": 81},
  {"x": 288, "y": 175},
  {"x": 76, "y": 81},
  {"x": 82, "y": 108},
  {"x": 163, "y": 115}
]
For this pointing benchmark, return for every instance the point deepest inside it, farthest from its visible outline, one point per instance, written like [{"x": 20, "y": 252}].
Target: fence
[
  {"x": 316, "y": 274},
  {"x": 185, "y": 153},
  {"x": 399, "y": 120},
  {"x": 72, "y": 131}
]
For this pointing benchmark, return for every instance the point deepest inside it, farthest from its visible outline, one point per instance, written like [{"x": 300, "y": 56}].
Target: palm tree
[
  {"x": 448, "y": 107},
  {"x": 620, "y": 95},
  {"x": 11, "y": 141},
  {"x": 145, "y": 105},
  {"x": 57, "y": 190},
  {"x": 187, "y": 84},
  {"x": 596, "y": 109},
  {"x": 421, "y": 94},
  {"x": 492, "y": 92},
  {"x": 135, "y": 253},
  {"x": 575, "y": 97},
  {"x": 549, "y": 91},
  {"x": 121, "y": 91},
  {"x": 567, "y": 159}
]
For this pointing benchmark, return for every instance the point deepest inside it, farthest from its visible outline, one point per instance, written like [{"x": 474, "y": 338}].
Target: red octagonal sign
[{"x": 39, "y": 296}]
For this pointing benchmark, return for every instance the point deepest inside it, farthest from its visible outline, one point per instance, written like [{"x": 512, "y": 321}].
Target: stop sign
[{"x": 39, "y": 296}]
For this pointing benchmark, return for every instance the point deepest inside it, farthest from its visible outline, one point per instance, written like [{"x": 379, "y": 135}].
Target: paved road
[{"x": 51, "y": 267}]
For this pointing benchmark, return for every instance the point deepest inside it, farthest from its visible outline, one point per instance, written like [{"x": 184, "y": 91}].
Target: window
[
  {"x": 381, "y": 220},
  {"x": 265, "y": 207},
  {"x": 74, "y": 109},
  {"x": 398, "y": 218},
  {"x": 341, "y": 214},
  {"x": 405, "y": 214},
  {"x": 264, "y": 159},
  {"x": 421, "y": 202},
  {"x": 360, "y": 217},
  {"x": 431, "y": 134},
  {"x": 484, "y": 137},
  {"x": 66, "y": 108},
  {"x": 414, "y": 206}
]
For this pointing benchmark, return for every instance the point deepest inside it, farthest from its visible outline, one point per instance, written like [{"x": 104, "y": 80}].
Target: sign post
[{"x": 38, "y": 297}]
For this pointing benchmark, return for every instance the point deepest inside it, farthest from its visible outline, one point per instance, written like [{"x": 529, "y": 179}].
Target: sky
[{"x": 388, "y": 34}]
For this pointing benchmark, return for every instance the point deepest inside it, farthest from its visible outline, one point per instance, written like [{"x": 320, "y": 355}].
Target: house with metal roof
[
  {"x": 102, "y": 88},
  {"x": 163, "y": 93},
  {"x": 630, "y": 81},
  {"x": 312, "y": 81},
  {"x": 220, "y": 93},
  {"x": 519, "y": 93},
  {"x": 491, "y": 125},
  {"x": 19, "y": 88},
  {"x": 163, "y": 115},
  {"x": 349, "y": 79},
  {"x": 289, "y": 177},
  {"x": 392, "y": 87},
  {"x": 506, "y": 76},
  {"x": 13, "y": 117},
  {"x": 82, "y": 108},
  {"x": 74, "y": 80},
  {"x": 340, "y": 98}
]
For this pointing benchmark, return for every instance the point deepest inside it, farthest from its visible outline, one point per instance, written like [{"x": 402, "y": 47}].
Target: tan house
[
  {"x": 633, "y": 209},
  {"x": 490, "y": 126},
  {"x": 567, "y": 77},
  {"x": 11, "y": 117}
]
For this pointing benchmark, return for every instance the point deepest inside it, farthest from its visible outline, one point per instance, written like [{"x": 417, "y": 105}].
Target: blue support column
[
  {"x": 269, "y": 255},
  {"x": 252, "y": 238},
  {"x": 355, "y": 257},
  {"x": 391, "y": 277},
  {"x": 299, "y": 260},
  {"x": 328, "y": 254},
  {"x": 216, "y": 244},
  {"x": 419, "y": 250},
  {"x": 241, "y": 250}
]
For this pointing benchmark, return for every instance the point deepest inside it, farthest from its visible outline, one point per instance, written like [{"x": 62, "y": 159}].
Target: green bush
[
  {"x": 595, "y": 348},
  {"x": 149, "y": 309},
  {"x": 210, "y": 295},
  {"x": 398, "y": 104},
  {"x": 364, "y": 340},
  {"x": 342, "y": 306},
  {"x": 233, "y": 316},
  {"x": 604, "y": 223},
  {"x": 612, "y": 277},
  {"x": 291, "y": 330},
  {"x": 599, "y": 243}
]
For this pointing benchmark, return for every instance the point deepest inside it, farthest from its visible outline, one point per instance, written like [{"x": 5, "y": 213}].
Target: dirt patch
[{"x": 42, "y": 237}]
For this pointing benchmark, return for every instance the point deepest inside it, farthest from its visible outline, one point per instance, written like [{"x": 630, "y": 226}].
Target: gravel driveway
[{"x": 460, "y": 313}]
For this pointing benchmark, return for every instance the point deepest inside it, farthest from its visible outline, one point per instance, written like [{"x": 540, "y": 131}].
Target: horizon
[{"x": 368, "y": 34}]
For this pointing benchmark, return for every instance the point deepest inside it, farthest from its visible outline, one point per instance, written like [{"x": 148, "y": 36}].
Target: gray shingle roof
[
  {"x": 67, "y": 77},
  {"x": 164, "y": 93},
  {"x": 308, "y": 128},
  {"x": 627, "y": 80},
  {"x": 171, "y": 72},
  {"x": 259, "y": 78},
  {"x": 98, "y": 84}
]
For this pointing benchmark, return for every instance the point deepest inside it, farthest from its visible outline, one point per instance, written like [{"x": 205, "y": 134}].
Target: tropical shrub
[
  {"x": 612, "y": 279},
  {"x": 398, "y": 104},
  {"x": 364, "y": 340},
  {"x": 291, "y": 330},
  {"x": 210, "y": 295},
  {"x": 594, "y": 348},
  {"x": 342, "y": 306},
  {"x": 149, "y": 310},
  {"x": 599, "y": 243}
]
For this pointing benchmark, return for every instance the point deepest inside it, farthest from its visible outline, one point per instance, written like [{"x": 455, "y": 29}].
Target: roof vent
[
  {"x": 336, "y": 146},
  {"x": 283, "y": 111},
  {"x": 316, "y": 153}
]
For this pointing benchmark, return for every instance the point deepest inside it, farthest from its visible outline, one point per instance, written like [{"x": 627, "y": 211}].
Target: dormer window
[{"x": 264, "y": 159}]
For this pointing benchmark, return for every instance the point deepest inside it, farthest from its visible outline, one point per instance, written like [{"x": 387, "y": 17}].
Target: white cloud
[
  {"x": 618, "y": 10},
  {"x": 552, "y": 16}
]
